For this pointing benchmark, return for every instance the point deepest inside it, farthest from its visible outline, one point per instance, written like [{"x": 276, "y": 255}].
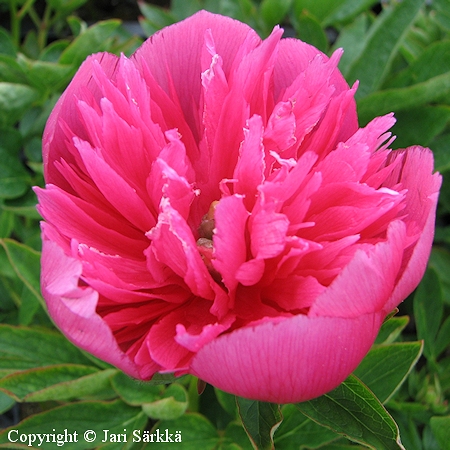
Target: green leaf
[
  {"x": 29, "y": 307},
  {"x": 49, "y": 75},
  {"x": 30, "y": 46},
  {"x": 11, "y": 71},
  {"x": 433, "y": 61},
  {"x": 442, "y": 17},
  {"x": 14, "y": 179},
  {"x": 260, "y": 420},
  {"x": 351, "y": 39},
  {"x": 391, "y": 329},
  {"x": 6, "y": 44},
  {"x": 155, "y": 18},
  {"x": 6, "y": 223},
  {"x": 381, "y": 45},
  {"x": 383, "y": 102},
  {"x": 66, "y": 6},
  {"x": 227, "y": 402},
  {"x": 134, "y": 392},
  {"x": 24, "y": 206},
  {"x": 77, "y": 25},
  {"x": 133, "y": 429},
  {"x": 319, "y": 9},
  {"x": 354, "y": 412},
  {"x": 53, "y": 52},
  {"x": 26, "y": 264},
  {"x": 347, "y": 11},
  {"x": 94, "y": 39},
  {"x": 194, "y": 430},
  {"x": 235, "y": 438},
  {"x": 443, "y": 337},
  {"x": 34, "y": 120},
  {"x": 441, "y": 430},
  {"x": 182, "y": 9},
  {"x": 170, "y": 406},
  {"x": 441, "y": 152},
  {"x": 59, "y": 382},
  {"x": 419, "y": 126},
  {"x": 274, "y": 11},
  {"x": 386, "y": 367},
  {"x": 440, "y": 262},
  {"x": 25, "y": 348},
  {"x": 428, "y": 311},
  {"x": 342, "y": 446},
  {"x": 77, "y": 418},
  {"x": 297, "y": 429},
  {"x": 308, "y": 29},
  {"x": 6, "y": 402},
  {"x": 15, "y": 99}
]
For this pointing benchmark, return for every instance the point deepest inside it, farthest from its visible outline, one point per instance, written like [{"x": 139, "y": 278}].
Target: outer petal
[
  {"x": 422, "y": 197},
  {"x": 365, "y": 284},
  {"x": 293, "y": 58},
  {"x": 174, "y": 55},
  {"x": 66, "y": 109},
  {"x": 293, "y": 360},
  {"x": 73, "y": 308}
]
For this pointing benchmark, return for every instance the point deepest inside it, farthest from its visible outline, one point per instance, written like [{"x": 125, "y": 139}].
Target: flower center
[
  {"x": 208, "y": 223},
  {"x": 205, "y": 242}
]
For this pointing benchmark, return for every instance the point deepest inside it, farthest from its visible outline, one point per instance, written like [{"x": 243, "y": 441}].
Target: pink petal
[
  {"x": 422, "y": 197},
  {"x": 268, "y": 233},
  {"x": 67, "y": 110},
  {"x": 195, "y": 341},
  {"x": 241, "y": 103},
  {"x": 293, "y": 293},
  {"x": 115, "y": 189},
  {"x": 249, "y": 170},
  {"x": 173, "y": 244},
  {"x": 250, "y": 272},
  {"x": 230, "y": 249},
  {"x": 311, "y": 92},
  {"x": 340, "y": 209},
  {"x": 73, "y": 308},
  {"x": 281, "y": 127},
  {"x": 78, "y": 219},
  {"x": 293, "y": 58},
  {"x": 215, "y": 89},
  {"x": 165, "y": 182},
  {"x": 187, "y": 329},
  {"x": 336, "y": 125},
  {"x": 173, "y": 55},
  {"x": 365, "y": 284},
  {"x": 293, "y": 360}
]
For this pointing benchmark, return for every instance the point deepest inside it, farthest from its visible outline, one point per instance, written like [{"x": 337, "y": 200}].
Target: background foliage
[{"x": 400, "y": 53}]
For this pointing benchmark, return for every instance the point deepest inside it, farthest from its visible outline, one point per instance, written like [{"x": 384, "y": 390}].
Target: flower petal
[
  {"x": 292, "y": 360},
  {"x": 73, "y": 308},
  {"x": 365, "y": 284}
]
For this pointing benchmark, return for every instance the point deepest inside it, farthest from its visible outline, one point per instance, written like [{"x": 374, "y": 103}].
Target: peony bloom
[{"x": 212, "y": 207}]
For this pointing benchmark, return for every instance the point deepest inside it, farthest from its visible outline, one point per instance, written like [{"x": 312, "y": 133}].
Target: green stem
[
  {"x": 193, "y": 397},
  {"x": 15, "y": 23},
  {"x": 26, "y": 6},
  {"x": 44, "y": 28}
]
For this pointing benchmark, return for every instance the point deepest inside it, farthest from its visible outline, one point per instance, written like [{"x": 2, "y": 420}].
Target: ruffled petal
[{"x": 73, "y": 308}]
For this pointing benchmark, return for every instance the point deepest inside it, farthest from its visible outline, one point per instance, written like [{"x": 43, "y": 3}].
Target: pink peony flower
[{"x": 212, "y": 207}]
